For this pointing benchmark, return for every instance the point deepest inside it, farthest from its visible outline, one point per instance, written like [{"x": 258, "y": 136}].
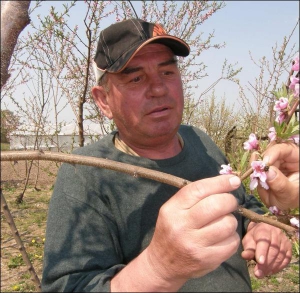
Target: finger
[
  {"x": 284, "y": 258},
  {"x": 263, "y": 242},
  {"x": 221, "y": 250},
  {"x": 212, "y": 208},
  {"x": 189, "y": 195},
  {"x": 249, "y": 246},
  {"x": 277, "y": 259},
  {"x": 248, "y": 254},
  {"x": 287, "y": 152},
  {"x": 217, "y": 230},
  {"x": 256, "y": 242},
  {"x": 286, "y": 193}
]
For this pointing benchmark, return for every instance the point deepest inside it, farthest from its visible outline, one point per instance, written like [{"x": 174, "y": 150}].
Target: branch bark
[
  {"x": 14, "y": 18},
  {"x": 15, "y": 232},
  {"x": 132, "y": 170}
]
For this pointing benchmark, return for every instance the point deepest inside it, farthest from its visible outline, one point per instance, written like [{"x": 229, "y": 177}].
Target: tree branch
[
  {"x": 132, "y": 170},
  {"x": 19, "y": 242}
]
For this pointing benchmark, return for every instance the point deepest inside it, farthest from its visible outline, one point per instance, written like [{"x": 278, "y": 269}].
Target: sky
[
  {"x": 244, "y": 26},
  {"x": 253, "y": 26}
]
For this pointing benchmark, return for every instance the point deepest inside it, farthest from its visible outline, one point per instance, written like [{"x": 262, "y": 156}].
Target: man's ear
[{"x": 100, "y": 97}]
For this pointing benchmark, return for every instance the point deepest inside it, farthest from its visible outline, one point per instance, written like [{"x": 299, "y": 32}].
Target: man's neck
[{"x": 161, "y": 151}]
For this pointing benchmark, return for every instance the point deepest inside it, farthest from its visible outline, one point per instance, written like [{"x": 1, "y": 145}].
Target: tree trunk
[{"x": 14, "y": 18}]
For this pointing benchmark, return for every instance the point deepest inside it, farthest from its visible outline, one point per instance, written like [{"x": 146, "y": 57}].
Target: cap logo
[{"x": 158, "y": 31}]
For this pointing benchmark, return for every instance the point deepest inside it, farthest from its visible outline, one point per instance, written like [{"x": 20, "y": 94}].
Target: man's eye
[
  {"x": 136, "y": 79},
  {"x": 167, "y": 72}
]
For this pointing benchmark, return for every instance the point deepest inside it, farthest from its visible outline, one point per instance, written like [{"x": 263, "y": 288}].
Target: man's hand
[
  {"x": 195, "y": 232},
  {"x": 269, "y": 246},
  {"x": 282, "y": 177}
]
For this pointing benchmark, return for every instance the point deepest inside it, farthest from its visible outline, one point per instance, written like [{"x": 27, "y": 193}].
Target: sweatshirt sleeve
[
  {"x": 252, "y": 203},
  {"x": 82, "y": 251}
]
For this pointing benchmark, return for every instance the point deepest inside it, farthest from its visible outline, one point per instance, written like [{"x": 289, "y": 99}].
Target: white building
[{"x": 66, "y": 139}]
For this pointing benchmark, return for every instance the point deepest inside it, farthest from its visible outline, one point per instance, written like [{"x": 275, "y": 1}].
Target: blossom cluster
[
  {"x": 286, "y": 128},
  {"x": 281, "y": 131}
]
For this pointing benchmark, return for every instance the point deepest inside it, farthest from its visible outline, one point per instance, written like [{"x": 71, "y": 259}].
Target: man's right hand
[{"x": 195, "y": 232}]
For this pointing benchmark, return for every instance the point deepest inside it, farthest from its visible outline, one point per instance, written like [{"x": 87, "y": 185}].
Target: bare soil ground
[
  {"x": 30, "y": 218},
  {"x": 15, "y": 173}
]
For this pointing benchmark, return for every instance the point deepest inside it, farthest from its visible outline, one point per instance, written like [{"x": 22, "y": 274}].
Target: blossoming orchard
[{"x": 284, "y": 130}]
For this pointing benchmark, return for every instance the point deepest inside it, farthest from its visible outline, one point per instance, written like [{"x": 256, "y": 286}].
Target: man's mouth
[{"x": 159, "y": 110}]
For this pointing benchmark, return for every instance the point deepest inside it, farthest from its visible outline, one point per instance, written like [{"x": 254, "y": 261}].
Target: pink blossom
[
  {"x": 280, "y": 118},
  {"x": 258, "y": 175},
  {"x": 253, "y": 182},
  {"x": 294, "y": 222},
  {"x": 274, "y": 210},
  {"x": 295, "y": 67},
  {"x": 251, "y": 143},
  {"x": 226, "y": 169},
  {"x": 294, "y": 81},
  {"x": 272, "y": 135},
  {"x": 281, "y": 104}
]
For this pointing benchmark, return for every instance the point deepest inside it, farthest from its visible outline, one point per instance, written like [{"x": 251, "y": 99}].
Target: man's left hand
[{"x": 268, "y": 246}]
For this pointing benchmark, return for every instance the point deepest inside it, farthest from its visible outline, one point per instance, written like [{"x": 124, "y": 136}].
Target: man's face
[{"x": 146, "y": 98}]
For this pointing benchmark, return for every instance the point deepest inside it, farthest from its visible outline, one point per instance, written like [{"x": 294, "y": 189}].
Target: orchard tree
[
  {"x": 9, "y": 123},
  {"x": 63, "y": 53},
  {"x": 258, "y": 116},
  {"x": 215, "y": 118}
]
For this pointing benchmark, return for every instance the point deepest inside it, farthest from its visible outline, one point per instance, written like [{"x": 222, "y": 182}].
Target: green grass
[
  {"x": 5, "y": 146},
  {"x": 30, "y": 217}
]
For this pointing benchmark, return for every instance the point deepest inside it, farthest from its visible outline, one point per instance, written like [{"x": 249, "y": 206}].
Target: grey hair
[{"x": 103, "y": 82}]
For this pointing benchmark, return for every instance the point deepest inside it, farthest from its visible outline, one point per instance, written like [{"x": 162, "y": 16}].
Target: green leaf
[{"x": 243, "y": 160}]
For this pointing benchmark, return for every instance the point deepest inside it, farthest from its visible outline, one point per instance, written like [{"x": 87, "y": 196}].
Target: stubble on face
[{"x": 146, "y": 99}]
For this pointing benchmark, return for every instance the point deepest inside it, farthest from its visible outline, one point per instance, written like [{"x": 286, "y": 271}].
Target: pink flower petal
[
  {"x": 294, "y": 222},
  {"x": 226, "y": 169}
]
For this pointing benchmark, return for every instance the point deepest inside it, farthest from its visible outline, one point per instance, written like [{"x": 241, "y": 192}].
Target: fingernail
[
  {"x": 235, "y": 181},
  {"x": 271, "y": 174},
  {"x": 261, "y": 259}
]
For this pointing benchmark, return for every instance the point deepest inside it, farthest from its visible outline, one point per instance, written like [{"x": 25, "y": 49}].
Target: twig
[
  {"x": 17, "y": 237},
  {"x": 135, "y": 171}
]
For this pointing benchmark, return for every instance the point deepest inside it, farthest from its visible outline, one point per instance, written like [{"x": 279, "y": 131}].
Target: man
[{"x": 108, "y": 231}]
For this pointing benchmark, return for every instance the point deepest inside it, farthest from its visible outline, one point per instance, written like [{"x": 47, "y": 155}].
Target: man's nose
[{"x": 156, "y": 87}]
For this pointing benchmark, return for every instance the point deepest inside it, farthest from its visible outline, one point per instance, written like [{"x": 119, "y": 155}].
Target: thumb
[
  {"x": 284, "y": 190},
  {"x": 277, "y": 181},
  {"x": 191, "y": 194}
]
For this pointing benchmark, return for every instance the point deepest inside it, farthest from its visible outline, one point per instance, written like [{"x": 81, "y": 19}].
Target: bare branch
[
  {"x": 132, "y": 170},
  {"x": 19, "y": 242}
]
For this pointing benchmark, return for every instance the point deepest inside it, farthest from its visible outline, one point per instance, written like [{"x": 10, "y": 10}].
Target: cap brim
[{"x": 179, "y": 48}]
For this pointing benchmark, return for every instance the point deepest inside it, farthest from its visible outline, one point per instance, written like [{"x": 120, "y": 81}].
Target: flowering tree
[
  {"x": 258, "y": 111},
  {"x": 285, "y": 130},
  {"x": 62, "y": 54}
]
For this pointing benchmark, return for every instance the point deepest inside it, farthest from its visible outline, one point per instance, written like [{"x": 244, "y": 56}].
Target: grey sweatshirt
[{"x": 99, "y": 219}]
